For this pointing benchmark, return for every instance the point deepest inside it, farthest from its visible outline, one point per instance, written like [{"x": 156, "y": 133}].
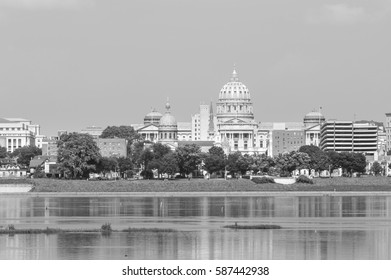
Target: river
[{"x": 313, "y": 227}]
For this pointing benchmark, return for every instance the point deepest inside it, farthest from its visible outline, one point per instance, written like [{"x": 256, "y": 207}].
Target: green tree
[
  {"x": 124, "y": 132},
  {"x": 215, "y": 160},
  {"x": 169, "y": 164},
  {"x": 236, "y": 163},
  {"x": 376, "y": 168},
  {"x": 3, "y": 152},
  {"x": 189, "y": 158},
  {"x": 78, "y": 155},
  {"x": 106, "y": 164},
  {"x": 125, "y": 165},
  {"x": 318, "y": 159},
  {"x": 288, "y": 162},
  {"x": 160, "y": 150},
  {"x": 25, "y": 154}
]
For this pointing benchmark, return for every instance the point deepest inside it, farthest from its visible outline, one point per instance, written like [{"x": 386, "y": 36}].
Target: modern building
[
  {"x": 94, "y": 131},
  {"x": 387, "y": 126},
  {"x": 112, "y": 147},
  {"x": 16, "y": 133},
  {"x": 348, "y": 136}
]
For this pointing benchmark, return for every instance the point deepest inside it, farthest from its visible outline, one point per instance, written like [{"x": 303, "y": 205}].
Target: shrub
[
  {"x": 304, "y": 179},
  {"x": 11, "y": 227},
  {"x": 106, "y": 227},
  {"x": 262, "y": 180}
]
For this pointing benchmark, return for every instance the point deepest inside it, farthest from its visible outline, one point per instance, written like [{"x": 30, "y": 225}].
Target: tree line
[{"x": 78, "y": 156}]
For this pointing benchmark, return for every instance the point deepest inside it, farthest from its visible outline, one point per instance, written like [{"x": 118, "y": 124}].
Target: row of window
[{"x": 10, "y": 128}]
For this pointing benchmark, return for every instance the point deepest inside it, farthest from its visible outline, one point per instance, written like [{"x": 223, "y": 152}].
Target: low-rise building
[{"x": 12, "y": 171}]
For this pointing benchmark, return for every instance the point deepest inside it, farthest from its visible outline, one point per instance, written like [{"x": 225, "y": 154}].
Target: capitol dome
[
  {"x": 234, "y": 101},
  {"x": 234, "y": 89},
  {"x": 167, "y": 121},
  {"x": 152, "y": 117}
]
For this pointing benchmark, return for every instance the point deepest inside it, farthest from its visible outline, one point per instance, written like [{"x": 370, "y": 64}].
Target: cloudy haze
[{"x": 68, "y": 64}]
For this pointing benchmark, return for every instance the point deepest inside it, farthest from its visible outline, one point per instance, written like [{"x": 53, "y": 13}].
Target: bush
[
  {"x": 246, "y": 177},
  {"x": 285, "y": 174},
  {"x": 11, "y": 227},
  {"x": 304, "y": 179},
  {"x": 106, "y": 227},
  {"x": 262, "y": 180}
]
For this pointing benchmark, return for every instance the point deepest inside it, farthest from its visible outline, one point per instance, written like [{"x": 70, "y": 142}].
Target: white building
[{"x": 16, "y": 133}]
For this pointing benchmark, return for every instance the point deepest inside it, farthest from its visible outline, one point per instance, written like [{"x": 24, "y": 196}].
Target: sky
[{"x": 69, "y": 64}]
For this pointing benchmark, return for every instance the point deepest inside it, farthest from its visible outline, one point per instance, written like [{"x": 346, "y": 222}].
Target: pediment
[
  {"x": 235, "y": 121},
  {"x": 148, "y": 127}
]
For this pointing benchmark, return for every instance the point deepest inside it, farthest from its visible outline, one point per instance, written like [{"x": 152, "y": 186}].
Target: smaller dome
[
  {"x": 314, "y": 117},
  {"x": 152, "y": 117},
  {"x": 167, "y": 120}
]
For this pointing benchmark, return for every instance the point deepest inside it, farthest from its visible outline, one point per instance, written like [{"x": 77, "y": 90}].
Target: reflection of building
[
  {"x": 388, "y": 131},
  {"x": 16, "y": 133},
  {"x": 112, "y": 147},
  {"x": 347, "y": 136}
]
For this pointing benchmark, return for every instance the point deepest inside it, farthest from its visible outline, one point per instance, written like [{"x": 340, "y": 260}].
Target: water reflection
[{"x": 315, "y": 227}]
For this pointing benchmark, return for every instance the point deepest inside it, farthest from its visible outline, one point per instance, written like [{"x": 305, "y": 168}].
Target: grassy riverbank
[
  {"x": 216, "y": 185},
  {"x": 201, "y": 185}
]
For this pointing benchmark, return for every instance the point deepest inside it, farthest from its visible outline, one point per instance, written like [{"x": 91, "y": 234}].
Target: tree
[
  {"x": 78, "y": 155},
  {"x": 318, "y": 159},
  {"x": 125, "y": 165},
  {"x": 288, "y": 162},
  {"x": 25, "y": 154},
  {"x": 236, "y": 163},
  {"x": 3, "y": 152},
  {"x": 106, "y": 164},
  {"x": 189, "y": 158},
  {"x": 376, "y": 168},
  {"x": 160, "y": 150},
  {"x": 169, "y": 164},
  {"x": 123, "y": 131},
  {"x": 215, "y": 160}
]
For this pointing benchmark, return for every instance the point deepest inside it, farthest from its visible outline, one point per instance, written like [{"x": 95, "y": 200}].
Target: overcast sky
[{"x": 68, "y": 64}]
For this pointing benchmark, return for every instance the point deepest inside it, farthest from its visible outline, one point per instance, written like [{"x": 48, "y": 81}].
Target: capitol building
[{"x": 233, "y": 126}]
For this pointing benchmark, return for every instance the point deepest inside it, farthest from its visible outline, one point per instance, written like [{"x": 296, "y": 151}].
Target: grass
[
  {"x": 214, "y": 185},
  {"x": 15, "y": 181}
]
